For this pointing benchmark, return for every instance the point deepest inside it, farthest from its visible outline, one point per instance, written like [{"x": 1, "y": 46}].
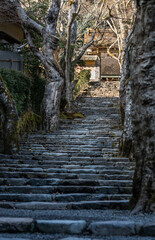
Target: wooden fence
[{"x": 10, "y": 60}]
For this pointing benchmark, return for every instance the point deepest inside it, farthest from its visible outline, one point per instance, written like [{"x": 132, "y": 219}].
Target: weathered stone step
[
  {"x": 75, "y": 148},
  {"x": 78, "y": 146},
  {"x": 109, "y": 174},
  {"x": 77, "y": 227},
  {"x": 91, "y": 141},
  {"x": 62, "y": 182},
  {"x": 54, "y": 168},
  {"x": 85, "y": 136},
  {"x": 61, "y": 197},
  {"x": 99, "y": 111},
  {"x": 72, "y": 158},
  {"x": 60, "y": 164},
  {"x": 89, "y": 126},
  {"x": 110, "y": 204},
  {"x": 70, "y": 143},
  {"x": 98, "y": 122},
  {"x": 66, "y": 154},
  {"x": 66, "y": 189},
  {"x": 85, "y": 133},
  {"x": 12, "y": 238}
]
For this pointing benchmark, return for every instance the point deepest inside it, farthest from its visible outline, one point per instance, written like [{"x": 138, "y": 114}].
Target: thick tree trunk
[
  {"x": 9, "y": 137},
  {"x": 54, "y": 81},
  {"x": 51, "y": 100},
  {"x": 71, "y": 38},
  {"x": 143, "y": 111},
  {"x": 140, "y": 78},
  {"x": 54, "y": 75},
  {"x": 126, "y": 146}
]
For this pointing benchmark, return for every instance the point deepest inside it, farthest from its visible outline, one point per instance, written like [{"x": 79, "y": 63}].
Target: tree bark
[
  {"x": 126, "y": 143},
  {"x": 143, "y": 111},
  {"x": 9, "y": 137},
  {"x": 71, "y": 38},
  {"x": 141, "y": 74},
  {"x": 54, "y": 75}
]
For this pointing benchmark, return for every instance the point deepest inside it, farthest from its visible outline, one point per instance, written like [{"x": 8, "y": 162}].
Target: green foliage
[
  {"x": 6, "y": 47},
  {"x": 34, "y": 69},
  {"x": 83, "y": 81},
  {"x": 37, "y": 92},
  {"x": 28, "y": 122},
  {"x": 27, "y": 92},
  {"x": 19, "y": 85},
  {"x": 37, "y": 9}
]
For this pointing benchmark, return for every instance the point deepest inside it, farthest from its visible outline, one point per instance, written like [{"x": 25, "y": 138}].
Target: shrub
[
  {"x": 83, "y": 81},
  {"x": 20, "y": 87},
  {"x": 28, "y": 92}
]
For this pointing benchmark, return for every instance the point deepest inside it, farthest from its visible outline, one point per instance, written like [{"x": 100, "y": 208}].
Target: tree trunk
[
  {"x": 141, "y": 77},
  {"x": 126, "y": 146},
  {"x": 71, "y": 38},
  {"x": 9, "y": 137},
  {"x": 54, "y": 82},
  {"x": 54, "y": 75},
  {"x": 51, "y": 100},
  {"x": 143, "y": 111}
]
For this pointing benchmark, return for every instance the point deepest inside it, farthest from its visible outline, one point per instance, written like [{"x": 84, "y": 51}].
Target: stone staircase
[{"x": 76, "y": 168}]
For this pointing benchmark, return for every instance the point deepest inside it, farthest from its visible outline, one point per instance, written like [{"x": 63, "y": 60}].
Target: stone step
[
  {"x": 66, "y": 189},
  {"x": 48, "y": 164},
  {"x": 12, "y": 238},
  {"x": 72, "y": 147},
  {"x": 77, "y": 227},
  {"x": 74, "y": 197},
  {"x": 106, "y": 174},
  {"x": 70, "y": 144},
  {"x": 54, "y": 168},
  {"x": 76, "y": 151},
  {"x": 72, "y": 158},
  {"x": 110, "y": 204},
  {"x": 62, "y": 182},
  {"x": 90, "y": 125},
  {"x": 85, "y": 136},
  {"x": 71, "y": 169}
]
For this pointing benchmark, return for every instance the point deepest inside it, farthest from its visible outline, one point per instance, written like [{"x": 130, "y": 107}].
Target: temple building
[
  {"x": 102, "y": 65},
  {"x": 11, "y": 35}
]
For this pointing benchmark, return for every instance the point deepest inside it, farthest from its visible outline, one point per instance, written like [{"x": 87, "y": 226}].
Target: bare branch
[
  {"x": 52, "y": 15},
  {"x": 86, "y": 46}
]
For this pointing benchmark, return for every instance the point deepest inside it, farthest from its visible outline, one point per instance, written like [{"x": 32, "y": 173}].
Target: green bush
[
  {"x": 83, "y": 81},
  {"x": 27, "y": 91},
  {"x": 37, "y": 92},
  {"x": 20, "y": 87}
]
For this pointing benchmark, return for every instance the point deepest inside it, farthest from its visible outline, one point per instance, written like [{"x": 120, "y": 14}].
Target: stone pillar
[{"x": 98, "y": 70}]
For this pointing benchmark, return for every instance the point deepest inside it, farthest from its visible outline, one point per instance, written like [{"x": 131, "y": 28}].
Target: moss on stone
[
  {"x": 28, "y": 122},
  {"x": 71, "y": 115},
  {"x": 127, "y": 81}
]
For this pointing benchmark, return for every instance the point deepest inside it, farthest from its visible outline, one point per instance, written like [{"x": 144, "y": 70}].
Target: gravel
[{"x": 66, "y": 237}]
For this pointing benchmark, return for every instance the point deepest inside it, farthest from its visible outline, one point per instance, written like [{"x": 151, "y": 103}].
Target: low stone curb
[
  {"x": 61, "y": 226},
  {"x": 104, "y": 228},
  {"x": 8, "y": 224},
  {"x": 2, "y": 238}
]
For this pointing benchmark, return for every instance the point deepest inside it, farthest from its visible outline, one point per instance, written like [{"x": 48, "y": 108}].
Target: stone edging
[{"x": 104, "y": 228}]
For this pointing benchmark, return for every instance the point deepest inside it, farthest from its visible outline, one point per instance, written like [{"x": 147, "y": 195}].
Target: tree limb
[
  {"x": 24, "y": 18},
  {"x": 34, "y": 49}
]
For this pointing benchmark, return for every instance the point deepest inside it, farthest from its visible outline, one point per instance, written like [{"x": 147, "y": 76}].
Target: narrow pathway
[{"x": 60, "y": 182}]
